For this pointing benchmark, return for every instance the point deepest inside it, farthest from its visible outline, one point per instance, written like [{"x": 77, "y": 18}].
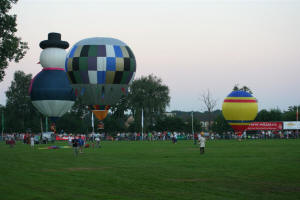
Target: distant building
[
  {"x": 169, "y": 114},
  {"x": 205, "y": 124}
]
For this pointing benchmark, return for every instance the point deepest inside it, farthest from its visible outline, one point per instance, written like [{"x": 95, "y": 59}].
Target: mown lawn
[{"x": 253, "y": 169}]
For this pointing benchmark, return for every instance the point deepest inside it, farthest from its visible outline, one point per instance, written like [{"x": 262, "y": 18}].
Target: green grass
[{"x": 255, "y": 169}]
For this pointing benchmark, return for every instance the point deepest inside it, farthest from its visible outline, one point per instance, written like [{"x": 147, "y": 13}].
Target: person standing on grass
[
  {"x": 195, "y": 138},
  {"x": 150, "y": 136},
  {"x": 93, "y": 139},
  {"x": 70, "y": 139},
  {"x": 97, "y": 139},
  {"x": 175, "y": 137},
  {"x": 81, "y": 143},
  {"x": 202, "y": 141},
  {"x": 75, "y": 145},
  {"x": 32, "y": 141}
]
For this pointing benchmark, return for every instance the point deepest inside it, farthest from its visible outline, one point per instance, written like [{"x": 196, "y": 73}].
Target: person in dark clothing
[
  {"x": 75, "y": 144},
  {"x": 81, "y": 144}
]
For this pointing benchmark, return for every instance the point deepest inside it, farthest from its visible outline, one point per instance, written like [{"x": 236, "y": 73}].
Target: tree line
[{"x": 147, "y": 94}]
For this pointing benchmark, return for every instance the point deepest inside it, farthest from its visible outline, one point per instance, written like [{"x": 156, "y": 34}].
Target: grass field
[{"x": 255, "y": 169}]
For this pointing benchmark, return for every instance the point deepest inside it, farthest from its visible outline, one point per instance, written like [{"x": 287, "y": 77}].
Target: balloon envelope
[
  {"x": 100, "y": 70},
  {"x": 51, "y": 93},
  {"x": 239, "y": 109},
  {"x": 100, "y": 112}
]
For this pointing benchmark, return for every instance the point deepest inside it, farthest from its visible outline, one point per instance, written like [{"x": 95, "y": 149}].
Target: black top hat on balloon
[{"x": 54, "y": 40}]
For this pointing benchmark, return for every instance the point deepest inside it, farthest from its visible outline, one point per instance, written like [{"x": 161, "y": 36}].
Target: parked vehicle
[{"x": 48, "y": 137}]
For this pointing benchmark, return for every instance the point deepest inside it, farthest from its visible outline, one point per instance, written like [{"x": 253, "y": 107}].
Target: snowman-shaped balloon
[{"x": 50, "y": 90}]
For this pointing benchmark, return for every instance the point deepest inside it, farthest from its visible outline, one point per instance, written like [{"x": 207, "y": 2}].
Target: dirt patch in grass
[
  {"x": 75, "y": 169},
  {"x": 189, "y": 180},
  {"x": 280, "y": 188}
]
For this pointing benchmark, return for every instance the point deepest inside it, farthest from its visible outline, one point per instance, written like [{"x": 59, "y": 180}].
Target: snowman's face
[{"x": 53, "y": 57}]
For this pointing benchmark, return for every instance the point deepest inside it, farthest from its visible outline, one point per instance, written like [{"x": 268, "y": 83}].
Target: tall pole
[
  {"x": 297, "y": 123},
  {"x": 193, "y": 126},
  {"x": 142, "y": 123},
  {"x": 93, "y": 121},
  {"x": 41, "y": 120},
  {"x": 2, "y": 124},
  {"x": 46, "y": 124}
]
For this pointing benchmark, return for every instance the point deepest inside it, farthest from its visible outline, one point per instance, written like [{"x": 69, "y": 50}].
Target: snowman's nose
[{"x": 38, "y": 62}]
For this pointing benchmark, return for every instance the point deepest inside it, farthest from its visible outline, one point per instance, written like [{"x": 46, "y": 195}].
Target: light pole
[
  {"x": 46, "y": 124},
  {"x": 93, "y": 122},
  {"x": 297, "y": 131},
  {"x": 2, "y": 119},
  {"x": 142, "y": 124},
  {"x": 193, "y": 127}
]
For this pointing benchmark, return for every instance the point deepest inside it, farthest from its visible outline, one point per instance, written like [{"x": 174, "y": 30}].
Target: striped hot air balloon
[{"x": 239, "y": 109}]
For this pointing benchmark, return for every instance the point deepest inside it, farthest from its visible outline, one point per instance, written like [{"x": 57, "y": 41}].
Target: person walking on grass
[
  {"x": 75, "y": 145},
  {"x": 202, "y": 141}
]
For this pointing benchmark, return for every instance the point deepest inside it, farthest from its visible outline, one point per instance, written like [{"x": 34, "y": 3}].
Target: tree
[
  {"x": 77, "y": 120},
  {"x": 150, "y": 95},
  {"x": 20, "y": 114},
  {"x": 170, "y": 124},
  {"x": 291, "y": 113},
  {"x": 244, "y": 88},
  {"x": 118, "y": 110},
  {"x": 210, "y": 104},
  {"x": 267, "y": 116},
  {"x": 220, "y": 125},
  {"x": 11, "y": 47}
]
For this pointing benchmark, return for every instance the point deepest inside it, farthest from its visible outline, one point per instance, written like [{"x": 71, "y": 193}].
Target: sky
[{"x": 193, "y": 46}]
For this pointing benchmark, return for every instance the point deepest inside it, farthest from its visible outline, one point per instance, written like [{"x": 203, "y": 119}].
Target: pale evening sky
[{"x": 191, "y": 45}]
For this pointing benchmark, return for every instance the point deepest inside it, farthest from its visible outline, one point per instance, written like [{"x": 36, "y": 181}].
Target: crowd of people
[
  {"x": 11, "y": 138},
  {"x": 80, "y": 141},
  {"x": 26, "y": 138}
]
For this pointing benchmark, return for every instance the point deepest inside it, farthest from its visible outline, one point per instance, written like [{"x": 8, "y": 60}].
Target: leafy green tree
[
  {"x": 77, "y": 120},
  {"x": 150, "y": 95},
  {"x": 243, "y": 88},
  {"x": 11, "y": 46},
  {"x": 290, "y": 114},
  {"x": 2, "y": 108},
  {"x": 262, "y": 116},
  {"x": 20, "y": 114},
  {"x": 113, "y": 125},
  {"x": 118, "y": 110},
  {"x": 170, "y": 124},
  {"x": 267, "y": 116},
  {"x": 220, "y": 125}
]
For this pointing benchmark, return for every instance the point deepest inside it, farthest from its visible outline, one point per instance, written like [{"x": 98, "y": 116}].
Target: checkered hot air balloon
[
  {"x": 239, "y": 109},
  {"x": 99, "y": 70}
]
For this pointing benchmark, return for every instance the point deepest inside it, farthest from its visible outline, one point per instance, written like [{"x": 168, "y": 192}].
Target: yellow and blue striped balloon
[{"x": 239, "y": 109}]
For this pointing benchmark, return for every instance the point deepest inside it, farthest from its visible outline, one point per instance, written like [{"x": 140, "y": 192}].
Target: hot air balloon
[
  {"x": 239, "y": 109},
  {"x": 100, "y": 111},
  {"x": 50, "y": 90},
  {"x": 100, "y": 69}
]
